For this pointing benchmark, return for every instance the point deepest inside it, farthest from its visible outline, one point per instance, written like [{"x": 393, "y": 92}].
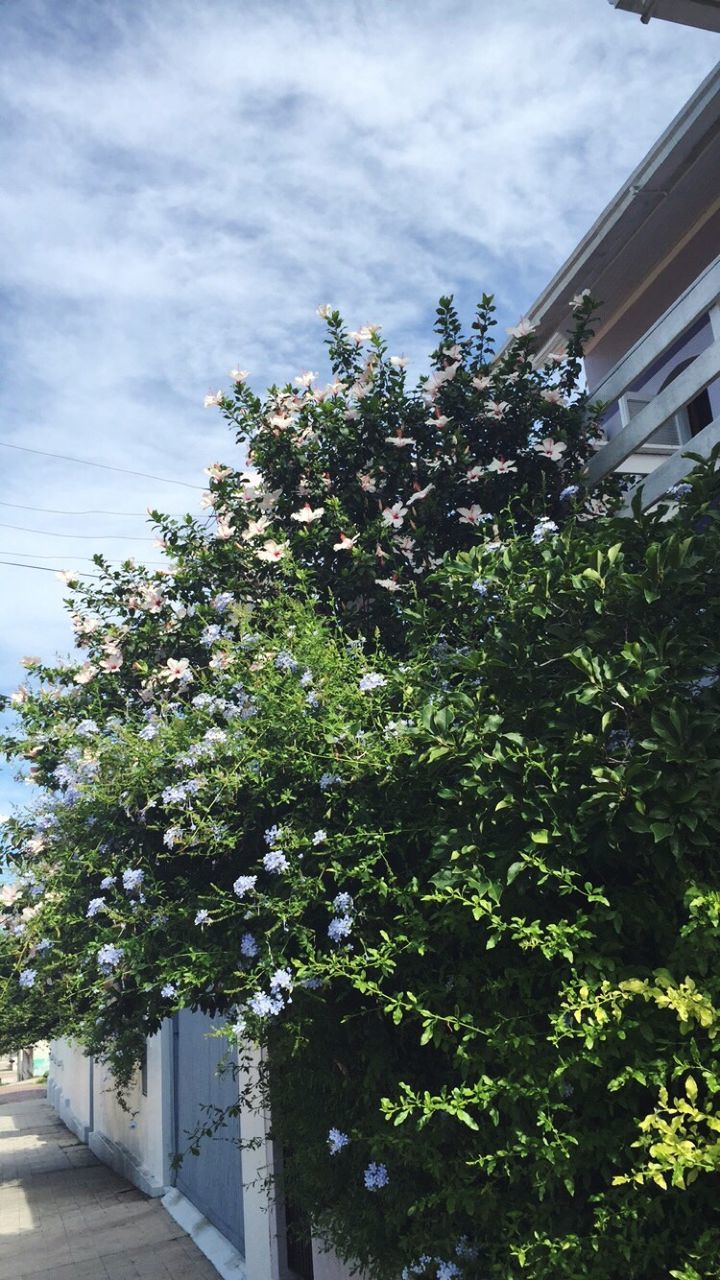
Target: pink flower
[
  {"x": 345, "y": 543},
  {"x": 69, "y": 576},
  {"x": 551, "y": 395},
  {"x": 19, "y": 696},
  {"x": 217, "y": 471},
  {"x": 85, "y": 674},
  {"x": 208, "y": 499},
  {"x": 439, "y": 420},
  {"x": 213, "y": 399},
  {"x": 9, "y": 894},
  {"x": 368, "y": 483},
  {"x": 113, "y": 661},
  {"x": 152, "y": 599},
  {"x": 472, "y": 515},
  {"x": 271, "y": 552},
  {"x": 481, "y": 384},
  {"x": 239, "y": 375},
  {"x": 474, "y": 473},
  {"x": 225, "y": 527},
  {"x": 399, "y": 440},
  {"x": 420, "y": 494},
  {"x": 394, "y": 515},
  {"x": 522, "y": 329},
  {"x": 305, "y": 379},
  {"x": 177, "y": 669},
  {"x": 364, "y": 334},
  {"x": 502, "y": 466},
  {"x": 496, "y": 408},
  {"x": 399, "y": 362},
  {"x": 255, "y": 529},
  {"x": 390, "y": 584},
  {"x": 268, "y": 499},
  {"x": 551, "y": 449},
  {"x": 306, "y": 514},
  {"x": 324, "y": 311}
]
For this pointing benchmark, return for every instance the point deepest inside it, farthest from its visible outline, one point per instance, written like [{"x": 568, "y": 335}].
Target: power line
[
  {"x": 47, "y": 555},
  {"x": 92, "y": 537},
  {"x": 57, "y": 511},
  {"x": 46, "y": 568},
  {"x": 104, "y": 466}
]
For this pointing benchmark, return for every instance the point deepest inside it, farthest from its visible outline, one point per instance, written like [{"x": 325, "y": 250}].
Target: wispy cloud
[{"x": 184, "y": 182}]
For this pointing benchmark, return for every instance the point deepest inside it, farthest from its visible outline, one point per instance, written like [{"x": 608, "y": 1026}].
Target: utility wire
[
  {"x": 104, "y": 466},
  {"x": 47, "y": 555},
  {"x": 57, "y": 511},
  {"x": 46, "y": 568},
  {"x": 92, "y": 537}
]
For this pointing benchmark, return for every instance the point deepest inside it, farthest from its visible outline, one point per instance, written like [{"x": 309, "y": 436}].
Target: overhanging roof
[
  {"x": 674, "y": 187},
  {"x": 691, "y": 13}
]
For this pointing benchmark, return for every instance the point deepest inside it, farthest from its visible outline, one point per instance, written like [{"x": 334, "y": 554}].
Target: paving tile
[{"x": 66, "y": 1216}]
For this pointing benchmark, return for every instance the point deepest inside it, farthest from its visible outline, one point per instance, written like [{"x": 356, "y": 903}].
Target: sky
[{"x": 185, "y": 181}]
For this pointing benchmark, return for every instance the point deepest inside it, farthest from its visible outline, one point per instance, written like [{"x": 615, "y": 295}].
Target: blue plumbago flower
[
  {"x": 285, "y": 661},
  {"x": 342, "y": 903},
  {"x": 109, "y": 957},
  {"x": 680, "y": 490},
  {"x": 27, "y": 977},
  {"x": 481, "y": 586},
  {"x": 447, "y": 1270},
  {"x": 543, "y": 529},
  {"x": 210, "y": 634},
  {"x": 239, "y": 1027},
  {"x": 248, "y": 946},
  {"x": 330, "y": 780},
  {"x": 202, "y": 916},
  {"x": 373, "y": 680},
  {"x": 273, "y": 835},
  {"x": 275, "y": 862},
  {"x": 336, "y": 1140},
  {"x": 148, "y": 733},
  {"x": 172, "y": 835},
  {"x": 194, "y": 785},
  {"x": 168, "y": 991},
  {"x": 222, "y": 601},
  {"x": 202, "y": 700},
  {"x": 394, "y": 728},
  {"x": 95, "y": 905},
  {"x": 281, "y": 980},
  {"x": 569, "y": 491},
  {"x": 174, "y": 795},
  {"x": 464, "y": 1249},
  {"x": 132, "y": 879},
  {"x": 319, "y": 836},
  {"x": 266, "y": 1006},
  {"x": 340, "y": 928},
  {"x": 416, "y": 1268},
  {"x": 107, "y": 882},
  {"x": 43, "y": 945},
  {"x": 306, "y": 678},
  {"x": 244, "y": 884},
  {"x": 312, "y": 700},
  {"x": 215, "y": 735},
  {"x": 86, "y": 728},
  {"x": 375, "y": 1176}
]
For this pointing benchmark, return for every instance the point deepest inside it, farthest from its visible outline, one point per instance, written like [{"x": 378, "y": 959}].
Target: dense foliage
[{"x": 448, "y": 855}]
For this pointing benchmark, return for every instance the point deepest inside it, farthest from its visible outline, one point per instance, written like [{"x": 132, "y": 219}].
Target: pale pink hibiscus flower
[
  {"x": 271, "y": 552},
  {"x": 552, "y": 449},
  {"x": 394, "y": 515}
]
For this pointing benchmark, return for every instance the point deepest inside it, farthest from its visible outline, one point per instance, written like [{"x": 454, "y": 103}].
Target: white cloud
[{"x": 183, "y": 183}]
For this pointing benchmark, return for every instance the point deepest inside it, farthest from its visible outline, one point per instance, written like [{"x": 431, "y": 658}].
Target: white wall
[
  {"x": 69, "y": 1091},
  {"x": 136, "y": 1141}
]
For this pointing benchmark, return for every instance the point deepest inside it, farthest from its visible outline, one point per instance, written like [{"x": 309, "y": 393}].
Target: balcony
[{"x": 663, "y": 397}]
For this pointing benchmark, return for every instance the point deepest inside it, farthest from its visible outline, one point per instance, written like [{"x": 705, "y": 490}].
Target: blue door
[{"x": 211, "y": 1180}]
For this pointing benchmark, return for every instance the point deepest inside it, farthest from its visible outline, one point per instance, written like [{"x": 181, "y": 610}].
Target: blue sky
[{"x": 184, "y": 181}]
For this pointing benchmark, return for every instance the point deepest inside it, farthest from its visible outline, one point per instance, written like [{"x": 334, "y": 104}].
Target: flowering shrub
[{"x": 450, "y": 859}]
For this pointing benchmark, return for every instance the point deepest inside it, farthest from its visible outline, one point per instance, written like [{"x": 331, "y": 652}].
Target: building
[
  {"x": 652, "y": 260},
  {"x": 691, "y": 13}
]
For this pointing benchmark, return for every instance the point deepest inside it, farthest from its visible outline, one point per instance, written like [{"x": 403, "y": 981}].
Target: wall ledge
[
  {"x": 226, "y": 1259},
  {"x": 124, "y": 1162}
]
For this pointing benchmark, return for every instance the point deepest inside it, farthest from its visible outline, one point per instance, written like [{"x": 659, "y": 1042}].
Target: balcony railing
[{"x": 699, "y": 301}]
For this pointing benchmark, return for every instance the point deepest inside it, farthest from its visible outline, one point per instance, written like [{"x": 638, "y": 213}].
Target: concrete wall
[
  {"x": 136, "y": 1142},
  {"x": 69, "y": 1086}
]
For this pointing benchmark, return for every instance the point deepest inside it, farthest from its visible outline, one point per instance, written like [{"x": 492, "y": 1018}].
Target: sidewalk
[{"x": 65, "y": 1216}]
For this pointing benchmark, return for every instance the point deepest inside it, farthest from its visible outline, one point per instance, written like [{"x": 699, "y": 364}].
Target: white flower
[
  {"x": 177, "y": 669},
  {"x": 271, "y": 551},
  {"x": 9, "y": 894},
  {"x": 364, "y": 334},
  {"x": 578, "y": 301},
  {"x": 394, "y": 515},
  {"x": 69, "y": 576},
  {"x": 399, "y": 440},
  {"x": 398, "y": 362},
  {"x": 324, "y": 311},
  {"x": 368, "y": 483},
  {"x": 390, "y": 584},
  {"x": 225, "y": 527},
  {"x": 474, "y": 473},
  {"x": 305, "y": 379},
  {"x": 551, "y": 395},
  {"x": 306, "y": 514},
  {"x": 502, "y": 466},
  {"x": 373, "y": 680},
  {"x": 217, "y": 471},
  {"x": 113, "y": 661},
  {"x": 551, "y": 449},
  {"x": 472, "y": 515},
  {"x": 522, "y": 329},
  {"x": 481, "y": 384},
  {"x": 19, "y": 696},
  {"x": 419, "y": 494},
  {"x": 213, "y": 399},
  {"x": 345, "y": 543},
  {"x": 239, "y": 375}
]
